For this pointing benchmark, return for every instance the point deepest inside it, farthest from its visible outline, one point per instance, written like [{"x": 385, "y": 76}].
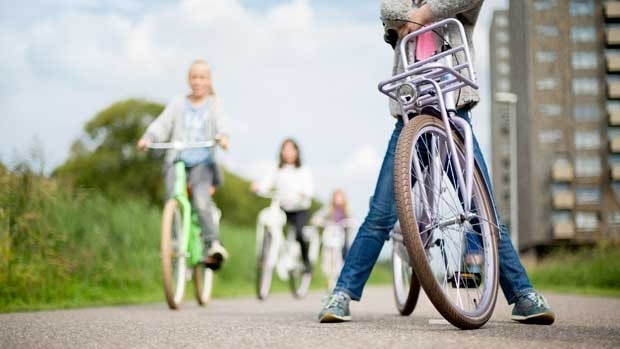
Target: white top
[{"x": 293, "y": 187}]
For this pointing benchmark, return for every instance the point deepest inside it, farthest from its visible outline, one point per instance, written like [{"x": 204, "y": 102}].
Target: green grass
[
  {"x": 593, "y": 271},
  {"x": 61, "y": 248}
]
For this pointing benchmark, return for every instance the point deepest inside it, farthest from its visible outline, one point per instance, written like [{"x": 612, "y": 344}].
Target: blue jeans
[{"x": 382, "y": 216}]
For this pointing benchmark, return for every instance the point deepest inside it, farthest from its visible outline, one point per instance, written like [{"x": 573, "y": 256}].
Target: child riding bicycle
[
  {"x": 197, "y": 117},
  {"x": 293, "y": 186},
  {"x": 402, "y": 17},
  {"x": 336, "y": 212}
]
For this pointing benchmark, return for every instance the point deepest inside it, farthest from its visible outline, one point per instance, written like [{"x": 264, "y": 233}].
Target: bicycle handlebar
[{"x": 182, "y": 145}]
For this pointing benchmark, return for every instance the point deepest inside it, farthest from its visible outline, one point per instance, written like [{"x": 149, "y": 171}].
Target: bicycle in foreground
[
  {"x": 181, "y": 243},
  {"x": 445, "y": 238},
  {"x": 275, "y": 250}
]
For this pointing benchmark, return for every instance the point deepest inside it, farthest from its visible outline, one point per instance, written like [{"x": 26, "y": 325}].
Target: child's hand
[
  {"x": 223, "y": 142},
  {"x": 422, "y": 15},
  {"x": 143, "y": 144},
  {"x": 254, "y": 187}
]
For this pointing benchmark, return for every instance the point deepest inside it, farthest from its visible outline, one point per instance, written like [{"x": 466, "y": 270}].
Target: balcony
[
  {"x": 563, "y": 200},
  {"x": 612, "y": 9},
  {"x": 614, "y": 118},
  {"x": 563, "y": 230},
  {"x": 613, "y": 89},
  {"x": 562, "y": 171},
  {"x": 615, "y": 172},
  {"x": 613, "y": 36},
  {"x": 613, "y": 62},
  {"x": 614, "y": 145}
]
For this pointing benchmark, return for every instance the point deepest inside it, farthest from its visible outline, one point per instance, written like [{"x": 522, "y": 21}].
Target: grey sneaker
[
  {"x": 532, "y": 308},
  {"x": 336, "y": 308}
]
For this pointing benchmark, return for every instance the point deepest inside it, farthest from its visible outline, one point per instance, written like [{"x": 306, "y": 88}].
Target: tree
[{"x": 105, "y": 157}]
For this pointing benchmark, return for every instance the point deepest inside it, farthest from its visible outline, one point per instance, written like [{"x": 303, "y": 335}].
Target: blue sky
[{"x": 300, "y": 68}]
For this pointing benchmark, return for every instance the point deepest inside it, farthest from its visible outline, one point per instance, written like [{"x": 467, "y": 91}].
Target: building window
[
  {"x": 581, "y": 8},
  {"x": 588, "y": 195},
  {"x": 587, "y": 140},
  {"x": 501, "y": 20},
  {"x": 503, "y": 68},
  {"x": 547, "y": 30},
  {"x": 587, "y": 221},
  {"x": 546, "y": 84},
  {"x": 583, "y": 34},
  {"x": 561, "y": 217},
  {"x": 550, "y": 109},
  {"x": 503, "y": 52},
  {"x": 544, "y": 5},
  {"x": 502, "y": 36},
  {"x": 614, "y": 218},
  {"x": 546, "y": 56},
  {"x": 585, "y": 86},
  {"x": 587, "y": 112},
  {"x": 550, "y": 136},
  {"x": 503, "y": 85},
  {"x": 584, "y": 60},
  {"x": 613, "y": 107},
  {"x": 588, "y": 166}
]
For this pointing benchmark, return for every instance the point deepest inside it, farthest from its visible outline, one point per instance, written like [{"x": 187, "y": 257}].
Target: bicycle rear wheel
[
  {"x": 299, "y": 281},
  {"x": 405, "y": 283},
  {"x": 264, "y": 271},
  {"x": 173, "y": 258},
  {"x": 203, "y": 283},
  {"x": 453, "y": 252}
]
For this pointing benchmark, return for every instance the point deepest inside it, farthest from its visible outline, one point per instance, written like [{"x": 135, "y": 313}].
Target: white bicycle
[
  {"x": 276, "y": 251},
  {"x": 333, "y": 240}
]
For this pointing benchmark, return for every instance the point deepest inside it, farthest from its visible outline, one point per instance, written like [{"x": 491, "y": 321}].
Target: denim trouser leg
[
  {"x": 512, "y": 276},
  {"x": 375, "y": 230},
  {"x": 199, "y": 179}
]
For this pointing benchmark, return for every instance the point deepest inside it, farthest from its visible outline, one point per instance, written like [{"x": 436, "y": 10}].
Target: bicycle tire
[
  {"x": 203, "y": 283},
  {"x": 405, "y": 295},
  {"x": 174, "y": 280},
  {"x": 264, "y": 273},
  {"x": 417, "y": 249}
]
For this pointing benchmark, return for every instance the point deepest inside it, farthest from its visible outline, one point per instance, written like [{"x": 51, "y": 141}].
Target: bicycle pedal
[
  {"x": 466, "y": 280},
  {"x": 213, "y": 263}
]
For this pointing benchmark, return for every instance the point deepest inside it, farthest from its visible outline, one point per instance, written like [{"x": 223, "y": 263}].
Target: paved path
[{"x": 282, "y": 322}]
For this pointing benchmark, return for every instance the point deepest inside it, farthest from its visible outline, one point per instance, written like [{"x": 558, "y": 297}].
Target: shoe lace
[
  {"x": 537, "y": 299},
  {"x": 335, "y": 300}
]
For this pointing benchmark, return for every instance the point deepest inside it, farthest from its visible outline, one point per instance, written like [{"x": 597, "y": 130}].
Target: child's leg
[
  {"x": 200, "y": 178},
  {"x": 375, "y": 230},
  {"x": 298, "y": 219}
]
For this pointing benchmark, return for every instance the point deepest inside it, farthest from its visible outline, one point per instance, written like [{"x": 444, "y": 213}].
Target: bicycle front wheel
[
  {"x": 453, "y": 252},
  {"x": 264, "y": 271},
  {"x": 173, "y": 257}
]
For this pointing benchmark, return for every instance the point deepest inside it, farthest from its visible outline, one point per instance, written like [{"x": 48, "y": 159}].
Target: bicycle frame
[
  {"x": 434, "y": 81},
  {"x": 190, "y": 239}
]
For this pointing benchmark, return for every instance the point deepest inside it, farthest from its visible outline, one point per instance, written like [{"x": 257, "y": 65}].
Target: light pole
[{"x": 510, "y": 100}]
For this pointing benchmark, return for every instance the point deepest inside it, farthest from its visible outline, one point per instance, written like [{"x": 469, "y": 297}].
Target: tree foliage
[{"x": 105, "y": 157}]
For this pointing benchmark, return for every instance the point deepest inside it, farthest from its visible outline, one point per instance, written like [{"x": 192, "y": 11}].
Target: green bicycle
[{"x": 181, "y": 244}]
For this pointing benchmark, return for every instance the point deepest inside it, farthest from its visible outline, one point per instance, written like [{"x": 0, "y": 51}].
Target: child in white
[{"x": 293, "y": 187}]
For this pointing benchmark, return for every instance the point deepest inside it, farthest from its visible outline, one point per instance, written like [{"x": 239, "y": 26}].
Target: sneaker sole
[
  {"x": 332, "y": 318},
  {"x": 536, "y": 319}
]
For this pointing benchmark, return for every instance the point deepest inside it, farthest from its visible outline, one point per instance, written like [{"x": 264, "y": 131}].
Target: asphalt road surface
[{"x": 283, "y": 322}]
